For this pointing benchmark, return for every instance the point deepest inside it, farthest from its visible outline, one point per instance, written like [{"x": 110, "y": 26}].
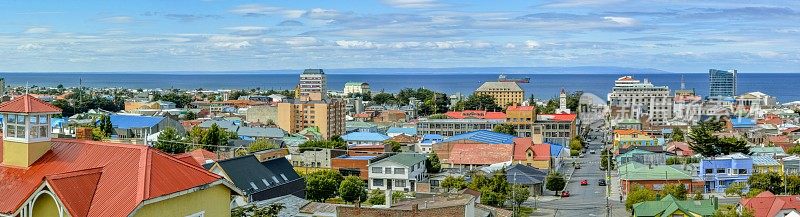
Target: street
[{"x": 589, "y": 200}]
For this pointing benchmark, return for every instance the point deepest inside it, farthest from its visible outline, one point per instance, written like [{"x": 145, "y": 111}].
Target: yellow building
[
  {"x": 522, "y": 117},
  {"x": 45, "y": 177},
  {"x": 766, "y": 164},
  {"x": 131, "y": 106},
  {"x": 632, "y": 137},
  {"x": 326, "y": 114},
  {"x": 504, "y": 93}
]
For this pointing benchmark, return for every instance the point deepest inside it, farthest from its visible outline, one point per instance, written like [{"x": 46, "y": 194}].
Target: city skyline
[{"x": 47, "y": 36}]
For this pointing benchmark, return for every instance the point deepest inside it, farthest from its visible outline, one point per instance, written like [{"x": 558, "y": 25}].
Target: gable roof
[
  {"x": 404, "y": 139},
  {"x": 28, "y": 104},
  {"x": 638, "y": 171},
  {"x": 524, "y": 175},
  {"x": 269, "y": 132},
  {"x": 197, "y": 157},
  {"x": 405, "y": 159},
  {"x": 483, "y": 136},
  {"x": 252, "y": 176},
  {"x": 499, "y": 86},
  {"x": 475, "y": 114},
  {"x": 764, "y": 161},
  {"x": 768, "y": 204},
  {"x": 481, "y": 154},
  {"x": 669, "y": 205},
  {"x": 128, "y": 176},
  {"x": 522, "y": 145},
  {"x": 134, "y": 121}
]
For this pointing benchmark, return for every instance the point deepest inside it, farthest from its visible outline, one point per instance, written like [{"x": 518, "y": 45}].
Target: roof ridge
[
  {"x": 174, "y": 159},
  {"x": 101, "y": 143},
  {"x": 75, "y": 173}
]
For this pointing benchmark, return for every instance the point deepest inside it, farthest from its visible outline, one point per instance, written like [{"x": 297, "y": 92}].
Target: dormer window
[{"x": 26, "y": 127}]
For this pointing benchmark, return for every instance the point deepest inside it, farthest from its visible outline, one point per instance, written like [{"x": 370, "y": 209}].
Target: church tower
[
  {"x": 26, "y": 130},
  {"x": 562, "y": 103}
]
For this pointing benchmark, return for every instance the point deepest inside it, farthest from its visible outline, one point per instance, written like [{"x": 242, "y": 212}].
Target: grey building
[
  {"x": 451, "y": 127},
  {"x": 721, "y": 83}
]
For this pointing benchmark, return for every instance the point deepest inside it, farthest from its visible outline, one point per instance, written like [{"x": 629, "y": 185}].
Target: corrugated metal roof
[
  {"x": 269, "y": 132},
  {"x": 480, "y": 154},
  {"x": 405, "y": 159},
  {"x": 252, "y": 176},
  {"x": 130, "y": 175},
  {"x": 483, "y": 136},
  {"x": 28, "y": 104},
  {"x": 764, "y": 161},
  {"x": 365, "y": 136},
  {"x": 134, "y": 122},
  {"x": 403, "y": 130}
]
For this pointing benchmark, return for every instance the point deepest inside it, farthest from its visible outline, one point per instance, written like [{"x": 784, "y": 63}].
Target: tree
[
  {"x": 555, "y": 182},
  {"x": 213, "y": 138},
  {"x": 260, "y": 145},
  {"x": 505, "y": 128},
  {"x": 735, "y": 189},
  {"x": 638, "y": 194},
  {"x": 481, "y": 102},
  {"x": 770, "y": 181},
  {"x": 677, "y": 135},
  {"x": 753, "y": 192},
  {"x": 698, "y": 195},
  {"x": 322, "y": 184},
  {"x": 432, "y": 164},
  {"x": 105, "y": 125},
  {"x": 254, "y": 211},
  {"x": 729, "y": 210},
  {"x": 396, "y": 146},
  {"x": 170, "y": 142},
  {"x": 496, "y": 189},
  {"x": 704, "y": 142},
  {"x": 576, "y": 144},
  {"x": 376, "y": 197},
  {"x": 190, "y": 116},
  {"x": 604, "y": 160},
  {"x": 98, "y": 134},
  {"x": 677, "y": 190},
  {"x": 794, "y": 150},
  {"x": 792, "y": 184},
  {"x": 352, "y": 190},
  {"x": 520, "y": 195},
  {"x": 384, "y": 98},
  {"x": 329, "y": 144},
  {"x": 453, "y": 183}
]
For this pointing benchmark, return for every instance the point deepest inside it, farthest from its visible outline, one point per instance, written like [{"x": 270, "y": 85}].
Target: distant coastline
[{"x": 416, "y": 71}]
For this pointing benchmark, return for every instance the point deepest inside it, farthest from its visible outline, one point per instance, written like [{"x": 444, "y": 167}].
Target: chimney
[{"x": 388, "y": 195}]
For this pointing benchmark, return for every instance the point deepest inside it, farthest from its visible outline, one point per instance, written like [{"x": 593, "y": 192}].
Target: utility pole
[{"x": 608, "y": 179}]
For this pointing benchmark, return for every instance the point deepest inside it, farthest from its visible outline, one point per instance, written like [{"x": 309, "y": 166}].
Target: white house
[{"x": 398, "y": 172}]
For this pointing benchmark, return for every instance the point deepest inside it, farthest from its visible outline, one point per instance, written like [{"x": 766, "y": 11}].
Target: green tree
[
  {"x": 170, "y": 142},
  {"x": 432, "y": 164},
  {"x": 376, "y": 197},
  {"x": 453, "y": 183},
  {"x": 735, "y": 189},
  {"x": 677, "y": 135},
  {"x": 520, "y": 195},
  {"x": 260, "y": 145},
  {"x": 254, "y": 211},
  {"x": 496, "y": 189},
  {"x": 767, "y": 181},
  {"x": 576, "y": 144},
  {"x": 98, "y": 134},
  {"x": 105, "y": 125},
  {"x": 792, "y": 184},
  {"x": 698, "y": 195},
  {"x": 794, "y": 150},
  {"x": 704, "y": 142},
  {"x": 352, "y": 190},
  {"x": 322, "y": 184},
  {"x": 638, "y": 194},
  {"x": 190, "y": 116},
  {"x": 677, "y": 190},
  {"x": 604, "y": 160},
  {"x": 555, "y": 182},
  {"x": 729, "y": 210},
  {"x": 481, "y": 102},
  {"x": 329, "y": 144},
  {"x": 396, "y": 146},
  {"x": 213, "y": 138},
  {"x": 384, "y": 99},
  {"x": 478, "y": 181},
  {"x": 505, "y": 128},
  {"x": 753, "y": 192}
]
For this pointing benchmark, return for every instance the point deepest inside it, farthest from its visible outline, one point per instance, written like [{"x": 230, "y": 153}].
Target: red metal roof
[
  {"x": 475, "y": 114},
  {"x": 557, "y": 117},
  {"x": 128, "y": 175},
  {"x": 28, "y": 104},
  {"x": 521, "y": 146},
  {"x": 768, "y": 204},
  {"x": 197, "y": 157},
  {"x": 520, "y": 108},
  {"x": 480, "y": 154}
]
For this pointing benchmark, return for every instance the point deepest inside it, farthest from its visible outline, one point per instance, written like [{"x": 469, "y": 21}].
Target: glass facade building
[{"x": 721, "y": 83}]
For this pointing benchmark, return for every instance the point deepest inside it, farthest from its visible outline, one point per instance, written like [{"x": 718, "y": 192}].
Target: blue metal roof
[
  {"x": 402, "y": 130},
  {"x": 365, "y": 136},
  {"x": 356, "y": 157},
  {"x": 483, "y": 136},
  {"x": 133, "y": 122},
  {"x": 430, "y": 138},
  {"x": 555, "y": 149},
  {"x": 742, "y": 122}
]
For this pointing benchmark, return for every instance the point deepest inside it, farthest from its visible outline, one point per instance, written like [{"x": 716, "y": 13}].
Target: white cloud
[
  {"x": 406, "y": 44},
  {"x": 509, "y": 45},
  {"x": 262, "y": 10},
  {"x": 302, "y": 41},
  {"x": 356, "y": 44},
  {"x": 413, "y": 3},
  {"x": 531, "y": 44},
  {"x": 117, "y": 19},
  {"x": 37, "y": 30},
  {"x": 233, "y": 45},
  {"x": 582, "y": 3},
  {"x": 322, "y": 14},
  {"x": 29, "y": 47},
  {"x": 626, "y": 21}
]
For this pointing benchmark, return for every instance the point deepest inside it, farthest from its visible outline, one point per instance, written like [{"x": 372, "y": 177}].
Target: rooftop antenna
[{"x": 683, "y": 83}]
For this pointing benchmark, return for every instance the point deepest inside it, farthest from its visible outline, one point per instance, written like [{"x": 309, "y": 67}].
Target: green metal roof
[
  {"x": 774, "y": 150},
  {"x": 405, "y": 159},
  {"x": 668, "y": 205},
  {"x": 640, "y": 171}
]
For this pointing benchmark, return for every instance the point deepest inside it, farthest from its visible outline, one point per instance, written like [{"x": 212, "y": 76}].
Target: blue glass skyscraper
[{"x": 721, "y": 83}]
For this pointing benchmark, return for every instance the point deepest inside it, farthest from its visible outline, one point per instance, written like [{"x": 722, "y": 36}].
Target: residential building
[
  {"x": 260, "y": 180},
  {"x": 633, "y": 138},
  {"x": 313, "y": 81},
  {"x": 325, "y": 114},
  {"x": 525, "y": 175},
  {"x": 40, "y": 176},
  {"x": 253, "y": 133},
  {"x": 641, "y": 98},
  {"x": 399, "y": 171},
  {"x": 654, "y": 177},
  {"x": 680, "y": 149},
  {"x": 670, "y": 206},
  {"x": 766, "y": 164},
  {"x": 134, "y": 126},
  {"x": 770, "y": 205},
  {"x": 641, "y": 156},
  {"x": 263, "y": 114},
  {"x": 425, "y": 145},
  {"x": 522, "y": 117},
  {"x": 773, "y": 152},
  {"x": 790, "y": 165},
  {"x": 396, "y": 131},
  {"x": 469, "y": 156},
  {"x": 451, "y": 127},
  {"x": 444, "y": 147},
  {"x": 356, "y": 88},
  {"x": 353, "y": 165},
  {"x": 720, "y": 172},
  {"x": 530, "y": 154},
  {"x": 453, "y": 205},
  {"x": 556, "y": 128},
  {"x": 475, "y": 114},
  {"x": 504, "y": 93},
  {"x": 364, "y": 138},
  {"x": 722, "y": 83}
]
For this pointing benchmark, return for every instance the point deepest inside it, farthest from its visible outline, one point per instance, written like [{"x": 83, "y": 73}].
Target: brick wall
[
  {"x": 84, "y": 133},
  {"x": 361, "y": 165}
]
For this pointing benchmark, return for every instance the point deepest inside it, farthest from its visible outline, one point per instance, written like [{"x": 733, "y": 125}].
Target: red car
[
  {"x": 564, "y": 193},
  {"x": 584, "y": 182}
]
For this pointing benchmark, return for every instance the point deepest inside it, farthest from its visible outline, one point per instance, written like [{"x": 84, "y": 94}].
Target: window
[
  {"x": 253, "y": 185},
  {"x": 720, "y": 170},
  {"x": 709, "y": 171},
  {"x": 377, "y": 182},
  {"x": 388, "y": 170},
  {"x": 377, "y": 170},
  {"x": 742, "y": 171},
  {"x": 400, "y": 183},
  {"x": 265, "y": 182},
  {"x": 399, "y": 171},
  {"x": 275, "y": 179},
  {"x": 284, "y": 177}
]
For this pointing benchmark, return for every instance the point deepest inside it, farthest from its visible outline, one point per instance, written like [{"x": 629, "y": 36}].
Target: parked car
[
  {"x": 591, "y": 152},
  {"x": 601, "y": 182},
  {"x": 584, "y": 182},
  {"x": 564, "y": 193}
]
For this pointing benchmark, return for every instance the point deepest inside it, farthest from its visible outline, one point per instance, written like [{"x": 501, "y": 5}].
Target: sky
[{"x": 230, "y": 35}]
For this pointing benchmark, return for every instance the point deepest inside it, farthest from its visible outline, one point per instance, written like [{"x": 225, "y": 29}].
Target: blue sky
[{"x": 223, "y": 35}]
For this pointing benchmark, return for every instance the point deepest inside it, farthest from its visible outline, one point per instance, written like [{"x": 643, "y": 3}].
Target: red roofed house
[
  {"x": 40, "y": 176},
  {"x": 533, "y": 155},
  {"x": 198, "y": 157},
  {"x": 768, "y": 204},
  {"x": 472, "y": 156},
  {"x": 475, "y": 114},
  {"x": 679, "y": 149}
]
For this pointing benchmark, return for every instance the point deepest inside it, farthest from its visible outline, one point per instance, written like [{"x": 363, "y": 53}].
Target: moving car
[
  {"x": 591, "y": 152},
  {"x": 584, "y": 182},
  {"x": 601, "y": 182},
  {"x": 577, "y": 166},
  {"x": 564, "y": 193}
]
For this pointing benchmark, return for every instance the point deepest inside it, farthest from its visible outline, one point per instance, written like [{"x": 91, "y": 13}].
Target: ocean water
[{"x": 781, "y": 85}]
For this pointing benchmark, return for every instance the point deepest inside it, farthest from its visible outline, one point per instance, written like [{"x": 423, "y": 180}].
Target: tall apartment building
[
  {"x": 522, "y": 117},
  {"x": 313, "y": 108},
  {"x": 504, "y": 93},
  {"x": 356, "y": 87},
  {"x": 636, "y": 98},
  {"x": 313, "y": 81},
  {"x": 721, "y": 83}
]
